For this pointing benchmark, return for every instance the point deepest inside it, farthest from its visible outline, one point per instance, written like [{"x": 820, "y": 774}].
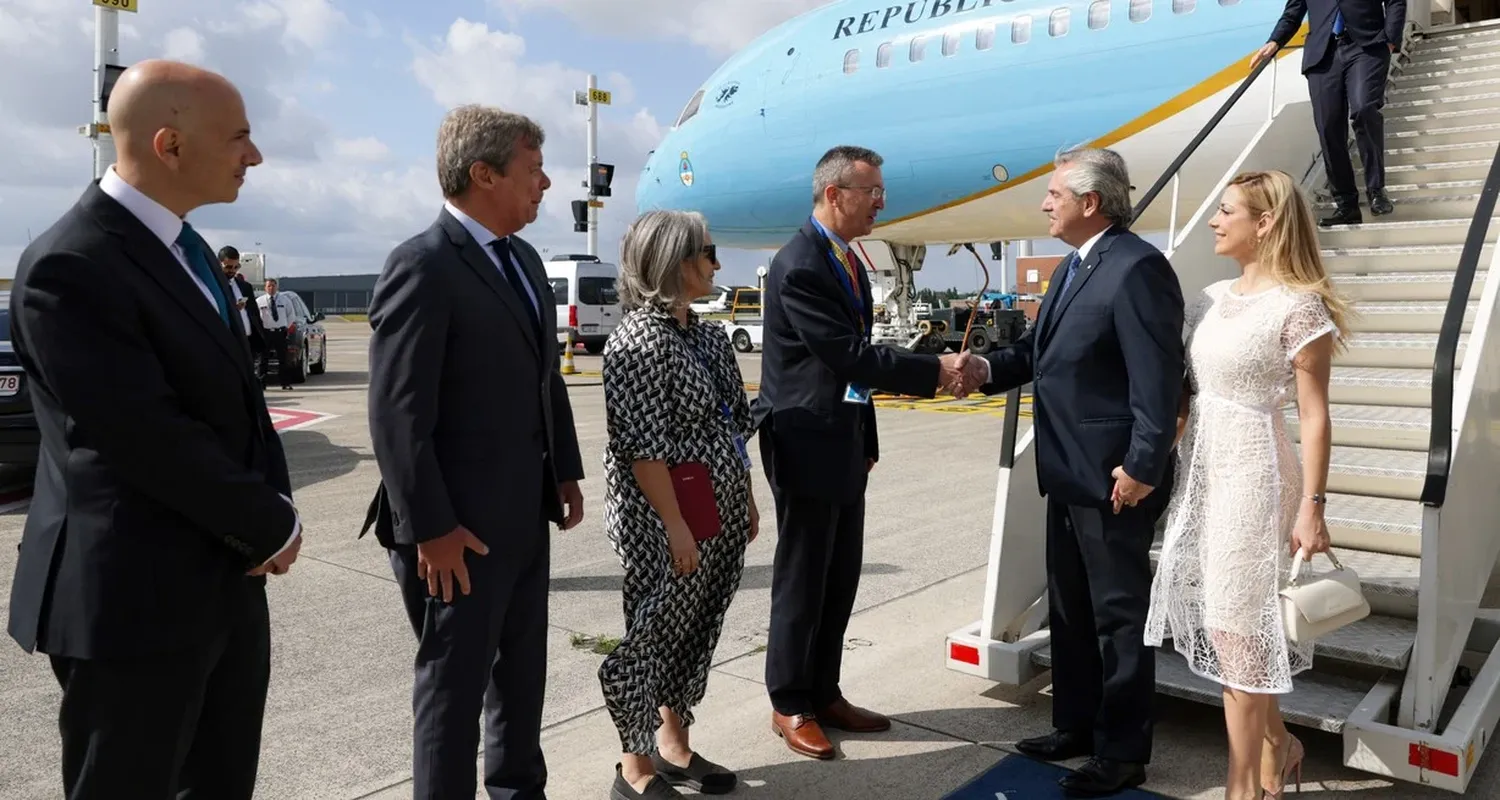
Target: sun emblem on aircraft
[{"x": 685, "y": 169}]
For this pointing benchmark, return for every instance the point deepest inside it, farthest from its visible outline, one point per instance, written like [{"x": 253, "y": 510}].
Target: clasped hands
[{"x": 960, "y": 373}]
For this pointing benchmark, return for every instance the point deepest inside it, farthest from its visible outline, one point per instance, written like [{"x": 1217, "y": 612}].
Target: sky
[{"x": 345, "y": 99}]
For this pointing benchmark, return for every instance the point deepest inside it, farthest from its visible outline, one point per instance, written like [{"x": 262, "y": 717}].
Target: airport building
[{"x": 332, "y": 294}]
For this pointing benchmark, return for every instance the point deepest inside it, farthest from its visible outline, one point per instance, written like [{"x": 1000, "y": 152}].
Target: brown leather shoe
[
  {"x": 845, "y": 717},
  {"x": 802, "y": 734}
]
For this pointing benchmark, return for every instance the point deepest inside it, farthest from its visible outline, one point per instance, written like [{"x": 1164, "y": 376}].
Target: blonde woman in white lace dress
[{"x": 1243, "y": 504}]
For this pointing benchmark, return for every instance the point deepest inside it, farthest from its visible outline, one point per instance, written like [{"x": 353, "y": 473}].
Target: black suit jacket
[
  {"x": 469, "y": 414},
  {"x": 160, "y": 478},
  {"x": 1366, "y": 22},
  {"x": 812, "y": 350},
  {"x": 1106, "y": 362}
]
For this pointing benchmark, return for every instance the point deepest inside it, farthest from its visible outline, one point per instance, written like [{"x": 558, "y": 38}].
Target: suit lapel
[
  {"x": 474, "y": 256},
  {"x": 161, "y": 264},
  {"x": 1085, "y": 270}
]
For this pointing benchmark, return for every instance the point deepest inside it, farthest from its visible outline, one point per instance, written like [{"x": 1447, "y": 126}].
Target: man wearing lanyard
[
  {"x": 1348, "y": 52},
  {"x": 818, "y": 442}
]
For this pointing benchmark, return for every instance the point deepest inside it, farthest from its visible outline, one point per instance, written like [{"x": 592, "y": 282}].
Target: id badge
[
  {"x": 856, "y": 394},
  {"x": 739, "y": 444}
]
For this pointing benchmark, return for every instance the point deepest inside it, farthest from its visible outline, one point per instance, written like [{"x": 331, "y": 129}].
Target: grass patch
[
  {"x": 354, "y": 317},
  {"x": 598, "y": 645}
]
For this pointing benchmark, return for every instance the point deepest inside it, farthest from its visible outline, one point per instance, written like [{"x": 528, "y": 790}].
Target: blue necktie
[
  {"x": 1072, "y": 270},
  {"x": 196, "y": 251},
  {"x": 512, "y": 272},
  {"x": 1338, "y": 22}
]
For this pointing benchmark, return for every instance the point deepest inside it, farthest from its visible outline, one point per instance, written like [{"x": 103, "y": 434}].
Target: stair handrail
[
  {"x": 1445, "y": 359},
  {"x": 1013, "y": 397}
]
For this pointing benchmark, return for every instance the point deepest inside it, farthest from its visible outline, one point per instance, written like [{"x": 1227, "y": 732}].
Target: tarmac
[{"x": 338, "y": 719}]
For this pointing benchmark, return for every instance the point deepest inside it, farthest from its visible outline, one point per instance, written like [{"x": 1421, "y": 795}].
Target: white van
[{"x": 588, "y": 302}]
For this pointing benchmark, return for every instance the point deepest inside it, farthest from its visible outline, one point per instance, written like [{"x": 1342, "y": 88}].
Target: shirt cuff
[
  {"x": 296, "y": 529},
  {"x": 989, "y": 377}
]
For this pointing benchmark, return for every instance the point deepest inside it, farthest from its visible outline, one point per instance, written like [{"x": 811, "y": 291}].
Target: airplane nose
[{"x": 663, "y": 179}]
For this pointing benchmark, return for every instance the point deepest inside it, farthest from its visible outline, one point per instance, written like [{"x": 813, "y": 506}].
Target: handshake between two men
[{"x": 962, "y": 373}]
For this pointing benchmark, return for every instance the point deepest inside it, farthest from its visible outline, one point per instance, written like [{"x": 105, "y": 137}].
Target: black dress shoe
[
  {"x": 1102, "y": 777},
  {"x": 1343, "y": 215},
  {"x": 1057, "y": 746},
  {"x": 1380, "y": 205}
]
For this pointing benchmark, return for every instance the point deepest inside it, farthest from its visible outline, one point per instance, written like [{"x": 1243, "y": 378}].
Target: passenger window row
[{"x": 1020, "y": 30}]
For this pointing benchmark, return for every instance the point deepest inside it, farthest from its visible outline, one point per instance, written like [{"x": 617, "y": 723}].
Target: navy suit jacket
[
  {"x": 1106, "y": 360},
  {"x": 1366, "y": 22},
  {"x": 813, "y": 349}
]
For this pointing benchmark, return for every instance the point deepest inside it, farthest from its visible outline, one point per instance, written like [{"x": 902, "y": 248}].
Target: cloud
[
  {"x": 366, "y": 148},
  {"x": 715, "y": 25},
  {"x": 473, "y": 63},
  {"x": 183, "y": 44}
]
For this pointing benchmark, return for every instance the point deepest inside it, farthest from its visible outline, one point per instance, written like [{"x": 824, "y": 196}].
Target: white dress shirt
[
  {"x": 1083, "y": 255},
  {"x": 484, "y": 236},
  {"x": 284, "y": 311},
  {"x": 167, "y": 227},
  {"x": 234, "y": 287}
]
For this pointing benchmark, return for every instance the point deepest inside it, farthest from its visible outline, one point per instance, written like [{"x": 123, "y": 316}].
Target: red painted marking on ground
[{"x": 284, "y": 419}]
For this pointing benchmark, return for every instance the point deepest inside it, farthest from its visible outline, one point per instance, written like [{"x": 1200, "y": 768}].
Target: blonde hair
[{"x": 1289, "y": 250}]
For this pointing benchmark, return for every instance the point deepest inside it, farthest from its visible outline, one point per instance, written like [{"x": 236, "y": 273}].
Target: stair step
[
  {"x": 1431, "y": 286},
  {"x": 1449, "y": 57},
  {"x": 1445, "y": 126},
  {"x": 1377, "y": 526},
  {"x": 1399, "y": 234},
  {"x": 1394, "y": 350},
  {"x": 1437, "y": 144},
  {"x": 1405, "y": 316},
  {"x": 1393, "y": 427},
  {"x": 1395, "y": 474},
  {"x": 1471, "y": 169},
  {"x": 1452, "y": 86},
  {"x": 1458, "y": 31},
  {"x": 1374, "y": 386},
  {"x": 1419, "y": 205},
  {"x": 1363, "y": 260},
  {"x": 1429, "y": 74},
  {"x": 1321, "y": 702},
  {"x": 1478, "y": 98}
]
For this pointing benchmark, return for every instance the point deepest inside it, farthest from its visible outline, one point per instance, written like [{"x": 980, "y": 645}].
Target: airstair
[{"x": 1414, "y": 479}]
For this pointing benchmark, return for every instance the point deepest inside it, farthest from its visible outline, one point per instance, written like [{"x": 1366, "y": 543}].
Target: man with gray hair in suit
[
  {"x": 1105, "y": 360},
  {"x": 473, "y": 432}
]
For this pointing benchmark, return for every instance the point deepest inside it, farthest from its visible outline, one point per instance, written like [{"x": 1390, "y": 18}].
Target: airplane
[{"x": 968, "y": 102}]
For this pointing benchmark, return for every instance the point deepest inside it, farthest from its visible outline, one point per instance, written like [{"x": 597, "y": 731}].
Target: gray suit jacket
[{"x": 469, "y": 414}]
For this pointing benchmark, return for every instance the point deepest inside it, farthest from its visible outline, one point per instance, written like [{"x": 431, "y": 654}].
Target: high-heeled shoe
[{"x": 1291, "y": 767}]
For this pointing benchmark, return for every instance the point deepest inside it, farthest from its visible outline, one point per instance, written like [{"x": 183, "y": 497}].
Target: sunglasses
[{"x": 712, "y": 251}]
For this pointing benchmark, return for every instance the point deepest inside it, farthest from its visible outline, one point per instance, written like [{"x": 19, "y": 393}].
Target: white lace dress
[{"x": 1238, "y": 488}]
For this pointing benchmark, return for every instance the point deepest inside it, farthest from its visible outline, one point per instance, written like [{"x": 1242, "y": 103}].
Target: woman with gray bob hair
[{"x": 677, "y": 418}]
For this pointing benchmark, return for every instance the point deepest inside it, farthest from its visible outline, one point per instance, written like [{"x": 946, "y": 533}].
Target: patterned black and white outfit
[{"x": 663, "y": 385}]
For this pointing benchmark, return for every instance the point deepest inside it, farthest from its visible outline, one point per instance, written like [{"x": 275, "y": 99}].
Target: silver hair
[
  {"x": 651, "y": 257},
  {"x": 1102, "y": 172},
  {"x": 473, "y": 133},
  {"x": 834, "y": 167}
]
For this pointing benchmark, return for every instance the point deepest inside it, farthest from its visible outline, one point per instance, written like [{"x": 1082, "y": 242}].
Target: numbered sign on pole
[{"x": 120, "y": 5}]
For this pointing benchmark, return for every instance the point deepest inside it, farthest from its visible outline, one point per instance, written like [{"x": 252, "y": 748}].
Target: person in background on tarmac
[
  {"x": 673, "y": 396},
  {"x": 243, "y": 294},
  {"x": 275, "y": 314}
]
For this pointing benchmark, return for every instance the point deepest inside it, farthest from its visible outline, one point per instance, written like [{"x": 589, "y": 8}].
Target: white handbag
[{"x": 1327, "y": 602}]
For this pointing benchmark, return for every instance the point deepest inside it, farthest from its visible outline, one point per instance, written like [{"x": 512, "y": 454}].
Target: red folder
[{"x": 696, "y": 500}]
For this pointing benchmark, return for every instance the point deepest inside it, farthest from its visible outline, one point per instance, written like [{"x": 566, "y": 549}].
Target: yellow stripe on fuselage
[{"x": 1208, "y": 87}]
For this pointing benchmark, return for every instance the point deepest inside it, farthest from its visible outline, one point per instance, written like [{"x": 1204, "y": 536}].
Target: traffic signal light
[
  {"x": 580, "y": 216},
  {"x": 600, "y": 176}
]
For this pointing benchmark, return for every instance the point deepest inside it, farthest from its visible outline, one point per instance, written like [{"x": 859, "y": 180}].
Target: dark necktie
[
  {"x": 1073, "y": 261},
  {"x": 512, "y": 272},
  {"x": 271, "y": 302},
  {"x": 196, "y": 251}
]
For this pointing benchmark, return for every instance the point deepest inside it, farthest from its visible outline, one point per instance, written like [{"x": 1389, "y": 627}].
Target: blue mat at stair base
[{"x": 1017, "y": 777}]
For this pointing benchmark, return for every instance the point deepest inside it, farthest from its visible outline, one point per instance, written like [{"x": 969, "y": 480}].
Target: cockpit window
[{"x": 692, "y": 108}]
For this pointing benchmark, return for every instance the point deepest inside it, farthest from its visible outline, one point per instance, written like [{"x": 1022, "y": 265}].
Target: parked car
[
  {"x": 20, "y": 439},
  {"x": 306, "y": 342},
  {"x": 588, "y": 300}
]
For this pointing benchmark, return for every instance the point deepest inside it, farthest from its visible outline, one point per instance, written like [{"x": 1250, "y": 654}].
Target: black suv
[{"x": 19, "y": 437}]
